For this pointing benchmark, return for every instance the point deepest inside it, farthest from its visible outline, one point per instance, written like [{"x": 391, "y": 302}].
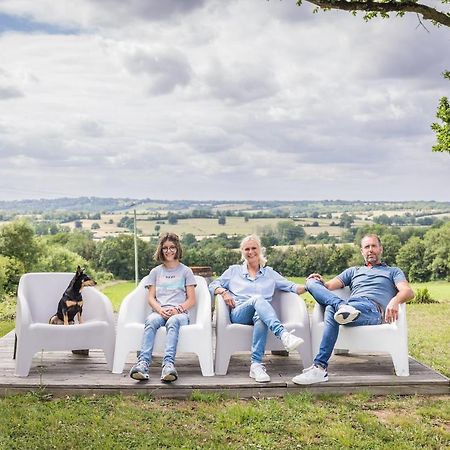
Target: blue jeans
[
  {"x": 370, "y": 315},
  {"x": 152, "y": 324},
  {"x": 257, "y": 311}
]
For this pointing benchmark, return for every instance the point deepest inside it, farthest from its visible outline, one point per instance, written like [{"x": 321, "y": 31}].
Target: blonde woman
[{"x": 248, "y": 289}]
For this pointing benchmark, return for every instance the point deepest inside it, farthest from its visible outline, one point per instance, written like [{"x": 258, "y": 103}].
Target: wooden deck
[{"x": 62, "y": 373}]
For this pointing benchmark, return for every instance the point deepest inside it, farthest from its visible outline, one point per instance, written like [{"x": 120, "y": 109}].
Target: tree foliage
[
  {"x": 17, "y": 240},
  {"x": 116, "y": 255},
  {"x": 442, "y": 131},
  {"x": 383, "y": 8}
]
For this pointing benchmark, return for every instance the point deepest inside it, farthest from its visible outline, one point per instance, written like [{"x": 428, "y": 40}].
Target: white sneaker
[
  {"x": 311, "y": 375},
  {"x": 290, "y": 341},
  {"x": 258, "y": 372},
  {"x": 346, "y": 314}
]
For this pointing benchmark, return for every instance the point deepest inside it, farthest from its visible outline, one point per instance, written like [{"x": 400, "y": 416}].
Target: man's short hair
[{"x": 371, "y": 235}]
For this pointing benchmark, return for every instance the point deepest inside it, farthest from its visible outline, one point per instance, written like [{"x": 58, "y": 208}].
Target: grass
[
  {"x": 6, "y": 326},
  {"x": 7, "y": 316},
  {"x": 439, "y": 290},
  {"x": 298, "y": 421},
  {"x": 117, "y": 292},
  {"x": 429, "y": 334}
]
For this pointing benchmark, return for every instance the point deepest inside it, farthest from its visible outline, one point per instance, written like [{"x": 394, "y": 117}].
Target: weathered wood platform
[{"x": 63, "y": 373}]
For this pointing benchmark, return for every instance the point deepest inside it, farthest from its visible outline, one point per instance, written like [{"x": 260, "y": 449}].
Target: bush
[
  {"x": 423, "y": 296},
  {"x": 10, "y": 271},
  {"x": 7, "y": 310}
]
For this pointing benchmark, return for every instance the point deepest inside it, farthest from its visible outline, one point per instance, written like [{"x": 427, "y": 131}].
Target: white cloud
[{"x": 210, "y": 99}]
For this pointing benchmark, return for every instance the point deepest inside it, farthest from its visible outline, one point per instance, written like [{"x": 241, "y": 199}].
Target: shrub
[
  {"x": 10, "y": 271},
  {"x": 423, "y": 296}
]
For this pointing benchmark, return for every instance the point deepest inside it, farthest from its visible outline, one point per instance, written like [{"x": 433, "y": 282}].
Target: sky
[{"x": 218, "y": 100}]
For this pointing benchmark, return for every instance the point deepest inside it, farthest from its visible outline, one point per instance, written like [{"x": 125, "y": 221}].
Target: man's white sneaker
[
  {"x": 290, "y": 341},
  {"x": 258, "y": 372},
  {"x": 346, "y": 314},
  {"x": 311, "y": 375}
]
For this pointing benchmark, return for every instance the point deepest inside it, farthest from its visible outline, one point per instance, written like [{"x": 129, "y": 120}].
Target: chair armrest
[
  {"x": 134, "y": 307},
  {"x": 317, "y": 315},
  {"x": 290, "y": 307},
  {"x": 96, "y": 305},
  {"x": 222, "y": 312},
  {"x": 401, "y": 321},
  {"x": 23, "y": 312},
  {"x": 202, "y": 301}
]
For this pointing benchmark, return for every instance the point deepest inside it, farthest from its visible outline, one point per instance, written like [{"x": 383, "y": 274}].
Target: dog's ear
[{"x": 79, "y": 270}]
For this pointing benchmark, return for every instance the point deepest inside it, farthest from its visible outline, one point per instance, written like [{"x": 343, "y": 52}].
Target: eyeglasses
[{"x": 169, "y": 249}]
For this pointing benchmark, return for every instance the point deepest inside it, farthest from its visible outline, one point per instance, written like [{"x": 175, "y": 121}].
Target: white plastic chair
[
  {"x": 391, "y": 338},
  {"x": 194, "y": 338},
  {"x": 233, "y": 337},
  {"x": 37, "y": 300}
]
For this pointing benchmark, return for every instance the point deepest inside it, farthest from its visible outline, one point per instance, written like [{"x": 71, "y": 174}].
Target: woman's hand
[{"x": 228, "y": 299}]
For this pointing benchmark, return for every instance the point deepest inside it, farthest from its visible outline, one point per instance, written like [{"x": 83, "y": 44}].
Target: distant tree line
[
  {"x": 423, "y": 253},
  {"x": 408, "y": 219}
]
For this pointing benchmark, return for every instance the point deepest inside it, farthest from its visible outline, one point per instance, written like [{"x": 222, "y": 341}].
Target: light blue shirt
[
  {"x": 377, "y": 283},
  {"x": 242, "y": 286}
]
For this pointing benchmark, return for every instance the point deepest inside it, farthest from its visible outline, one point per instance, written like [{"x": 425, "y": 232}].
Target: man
[{"x": 377, "y": 290}]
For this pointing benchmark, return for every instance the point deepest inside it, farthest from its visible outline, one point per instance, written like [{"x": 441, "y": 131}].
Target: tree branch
[{"x": 427, "y": 12}]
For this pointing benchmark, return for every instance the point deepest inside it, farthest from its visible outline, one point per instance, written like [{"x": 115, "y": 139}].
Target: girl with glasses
[{"x": 171, "y": 293}]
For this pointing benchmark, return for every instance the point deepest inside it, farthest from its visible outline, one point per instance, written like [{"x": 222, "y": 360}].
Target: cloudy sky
[{"x": 214, "y": 99}]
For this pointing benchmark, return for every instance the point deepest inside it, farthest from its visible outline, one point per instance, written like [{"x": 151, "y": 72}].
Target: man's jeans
[
  {"x": 259, "y": 312},
  {"x": 152, "y": 324},
  {"x": 370, "y": 315}
]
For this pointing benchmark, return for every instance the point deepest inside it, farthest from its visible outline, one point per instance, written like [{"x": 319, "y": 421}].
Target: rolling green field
[{"x": 207, "y": 227}]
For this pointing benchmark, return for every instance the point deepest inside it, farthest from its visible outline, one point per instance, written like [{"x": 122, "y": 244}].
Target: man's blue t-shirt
[{"x": 376, "y": 283}]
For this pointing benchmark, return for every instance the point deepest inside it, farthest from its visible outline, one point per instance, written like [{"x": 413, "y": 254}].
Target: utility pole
[{"x": 136, "y": 276}]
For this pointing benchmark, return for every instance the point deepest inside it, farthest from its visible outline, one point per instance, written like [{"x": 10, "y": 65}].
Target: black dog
[{"x": 71, "y": 303}]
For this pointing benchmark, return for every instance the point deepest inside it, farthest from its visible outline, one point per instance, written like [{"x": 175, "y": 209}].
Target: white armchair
[
  {"x": 194, "y": 338},
  {"x": 37, "y": 300},
  {"x": 391, "y": 338},
  {"x": 233, "y": 337}
]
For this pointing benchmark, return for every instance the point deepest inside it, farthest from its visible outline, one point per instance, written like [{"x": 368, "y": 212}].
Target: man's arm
[
  {"x": 404, "y": 294},
  {"x": 334, "y": 283}
]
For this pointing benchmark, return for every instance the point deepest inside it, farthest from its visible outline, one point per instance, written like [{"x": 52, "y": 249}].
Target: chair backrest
[
  {"x": 343, "y": 293},
  {"x": 42, "y": 292}
]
